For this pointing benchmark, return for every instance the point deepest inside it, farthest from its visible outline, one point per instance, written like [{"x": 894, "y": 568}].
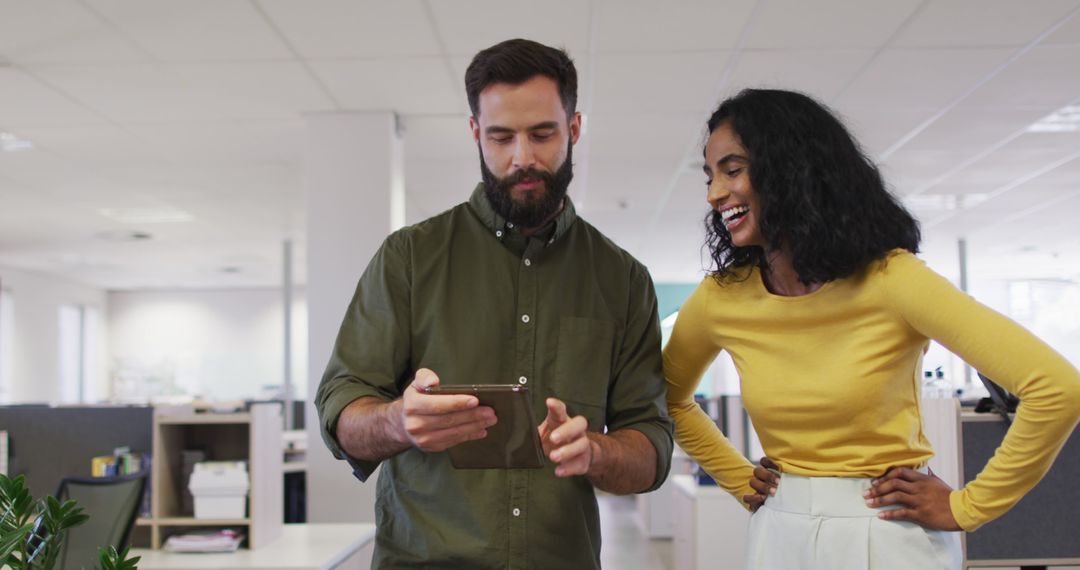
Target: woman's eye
[
  {"x": 708, "y": 183},
  {"x": 734, "y": 173}
]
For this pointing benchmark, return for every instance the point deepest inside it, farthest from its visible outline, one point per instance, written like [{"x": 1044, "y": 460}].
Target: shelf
[
  {"x": 192, "y": 521},
  {"x": 205, "y": 418}
]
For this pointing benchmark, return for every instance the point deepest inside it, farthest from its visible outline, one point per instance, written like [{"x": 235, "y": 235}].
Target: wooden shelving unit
[{"x": 254, "y": 437}]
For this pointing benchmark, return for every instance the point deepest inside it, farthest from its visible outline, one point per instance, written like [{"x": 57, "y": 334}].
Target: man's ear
[
  {"x": 474, "y": 126},
  {"x": 575, "y": 127}
]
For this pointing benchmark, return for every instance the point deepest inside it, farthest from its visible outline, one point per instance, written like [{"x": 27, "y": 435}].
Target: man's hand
[
  {"x": 435, "y": 422},
  {"x": 925, "y": 498},
  {"x": 765, "y": 482},
  {"x": 564, "y": 440}
]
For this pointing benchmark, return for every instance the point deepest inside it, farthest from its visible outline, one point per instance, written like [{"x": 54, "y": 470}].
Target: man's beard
[{"x": 532, "y": 210}]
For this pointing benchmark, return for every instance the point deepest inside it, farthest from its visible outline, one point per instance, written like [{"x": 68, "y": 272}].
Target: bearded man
[{"x": 508, "y": 287}]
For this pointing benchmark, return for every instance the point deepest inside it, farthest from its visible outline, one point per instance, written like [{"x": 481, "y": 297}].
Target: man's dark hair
[
  {"x": 517, "y": 61},
  {"x": 818, "y": 193}
]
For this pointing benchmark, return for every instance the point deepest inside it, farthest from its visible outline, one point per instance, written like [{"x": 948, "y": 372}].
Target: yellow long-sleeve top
[{"x": 831, "y": 380}]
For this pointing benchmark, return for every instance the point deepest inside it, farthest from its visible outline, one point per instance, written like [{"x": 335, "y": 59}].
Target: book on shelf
[{"x": 226, "y": 540}]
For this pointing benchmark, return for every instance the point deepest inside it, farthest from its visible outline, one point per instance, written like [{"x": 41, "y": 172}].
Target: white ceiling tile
[
  {"x": 638, "y": 185},
  {"x": 971, "y": 130},
  {"x": 982, "y": 23},
  {"x": 438, "y": 136},
  {"x": 820, "y": 73},
  {"x": 827, "y": 23},
  {"x": 101, "y": 146},
  {"x": 686, "y": 25},
  {"x": 468, "y": 26},
  {"x": 877, "y": 128},
  {"x": 1068, "y": 32},
  {"x": 921, "y": 78},
  {"x": 194, "y": 30},
  {"x": 414, "y": 85},
  {"x": 665, "y": 83},
  {"x": 1053, "y": 69},
  {"x": 908, "y": 170},
  {"x": 642, "y": 135},
  {"x": 26, "y": 102},
  {"x": 354, "y": 28},
  {"x": 50, "y": 32},
  {"x": 227, "y": 142},
  {"x": 192, "y": 92}
]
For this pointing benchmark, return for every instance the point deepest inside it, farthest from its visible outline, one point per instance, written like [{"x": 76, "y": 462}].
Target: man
[{"x": 509, "y": 287}]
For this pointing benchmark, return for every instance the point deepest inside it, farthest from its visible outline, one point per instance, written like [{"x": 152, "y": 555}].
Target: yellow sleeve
[
  {"x": 1047, "y": 384},
  {"x": 687, "y": 355}
]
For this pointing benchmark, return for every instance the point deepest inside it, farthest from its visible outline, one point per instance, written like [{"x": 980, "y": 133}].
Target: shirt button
[
  {"x": 551, "y": 241},
  {"x": 522, "y": 380},
  {"x": 498, "y": 233},
  {"x": 525, "y": 318},
  {"x": 517, "y": 512},
  {"x": 528, "y": 262},
  {"x": 509, "y": 225}
]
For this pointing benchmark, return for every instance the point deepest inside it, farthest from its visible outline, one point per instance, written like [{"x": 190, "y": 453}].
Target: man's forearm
[
  {"x": 370, "y": 429},
  {"x": 623, "y": 462}
]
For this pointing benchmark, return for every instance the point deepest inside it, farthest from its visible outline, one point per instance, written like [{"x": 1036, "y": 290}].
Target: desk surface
[{"x": 301, "y": 546}]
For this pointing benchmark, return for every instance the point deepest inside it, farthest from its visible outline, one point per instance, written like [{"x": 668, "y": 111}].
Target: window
[
  {"x": 78, "y": 354},
  {"x": 7, "y": 328}
]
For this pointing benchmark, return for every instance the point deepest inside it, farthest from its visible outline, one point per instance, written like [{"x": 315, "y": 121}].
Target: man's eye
[
  {"x": 542, "y": 136},
  {"x": 501, "y": 140},
  {"x": 708, "y": 183}
]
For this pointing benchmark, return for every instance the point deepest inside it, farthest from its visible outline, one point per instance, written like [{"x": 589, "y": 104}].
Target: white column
[{"x": 355, "y": 198}]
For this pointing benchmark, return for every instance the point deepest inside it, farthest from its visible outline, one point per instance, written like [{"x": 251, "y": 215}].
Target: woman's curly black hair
[{"x": 818, "y": 192}]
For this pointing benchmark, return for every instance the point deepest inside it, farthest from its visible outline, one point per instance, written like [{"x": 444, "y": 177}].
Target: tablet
[{"x": 512, "y": 443}]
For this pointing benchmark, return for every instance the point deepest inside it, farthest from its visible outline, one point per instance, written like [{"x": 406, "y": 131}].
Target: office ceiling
[{"x": 168, "y": 135}]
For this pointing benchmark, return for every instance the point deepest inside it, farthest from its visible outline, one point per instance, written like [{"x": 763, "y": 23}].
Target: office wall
[
  {"x": 219, "y": 344},
  {"x": 36, "y": 300}
]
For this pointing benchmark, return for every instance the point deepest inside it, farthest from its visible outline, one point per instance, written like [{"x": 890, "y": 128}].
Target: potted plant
[{"x": 33, "y": 531}]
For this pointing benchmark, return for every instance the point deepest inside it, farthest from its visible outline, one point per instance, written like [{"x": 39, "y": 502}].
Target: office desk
[{"x": 300, "y": 547}]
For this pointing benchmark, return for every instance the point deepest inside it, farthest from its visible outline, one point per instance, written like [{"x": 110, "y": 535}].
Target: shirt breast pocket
[{"x": 583, "y": 367}]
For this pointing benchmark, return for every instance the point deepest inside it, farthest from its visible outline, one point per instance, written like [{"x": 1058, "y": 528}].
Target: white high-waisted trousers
[{"x": 823, "y": 523}]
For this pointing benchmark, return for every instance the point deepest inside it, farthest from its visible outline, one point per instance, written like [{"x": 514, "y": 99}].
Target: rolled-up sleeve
[
  {"x": 637, "y": 397},
  {"x": 370, "y": 357}
]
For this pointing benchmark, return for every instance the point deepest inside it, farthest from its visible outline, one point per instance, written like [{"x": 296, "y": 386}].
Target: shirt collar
[{"x": 480, "y": 205}]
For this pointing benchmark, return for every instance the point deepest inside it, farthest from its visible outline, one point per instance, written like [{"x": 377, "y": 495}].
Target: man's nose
[{"x": 524, "y": 157}]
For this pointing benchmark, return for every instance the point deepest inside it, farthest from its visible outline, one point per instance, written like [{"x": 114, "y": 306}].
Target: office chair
[{"x": 112, "y": 503}]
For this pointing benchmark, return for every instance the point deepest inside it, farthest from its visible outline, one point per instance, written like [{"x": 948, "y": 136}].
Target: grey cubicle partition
[
  {"x": 47, "y": 444},
  {"x": 1041, "y": 528}
]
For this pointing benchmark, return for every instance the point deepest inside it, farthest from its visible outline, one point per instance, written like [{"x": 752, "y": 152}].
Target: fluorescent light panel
[
  {"x": 11, "y": 143},
  {"x": 1064, "y": 120}
]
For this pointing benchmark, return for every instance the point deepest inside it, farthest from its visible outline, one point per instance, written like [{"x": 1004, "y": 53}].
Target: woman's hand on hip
[
  {"x": 923, "y": 499},
  {"x": 765, "y": 480}
]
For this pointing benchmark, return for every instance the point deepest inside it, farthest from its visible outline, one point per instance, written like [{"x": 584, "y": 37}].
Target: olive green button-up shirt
[{"x": 568, "y": 314}]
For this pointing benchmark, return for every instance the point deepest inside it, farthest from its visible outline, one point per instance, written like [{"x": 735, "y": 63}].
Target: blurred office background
[{"x": 156, "y": 156}]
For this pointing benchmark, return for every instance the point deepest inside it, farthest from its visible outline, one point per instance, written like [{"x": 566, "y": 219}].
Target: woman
[{"x": 824, "y": 308}]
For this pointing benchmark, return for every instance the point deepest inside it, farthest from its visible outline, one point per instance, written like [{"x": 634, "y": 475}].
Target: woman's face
[{"x": 730, "y": 193}]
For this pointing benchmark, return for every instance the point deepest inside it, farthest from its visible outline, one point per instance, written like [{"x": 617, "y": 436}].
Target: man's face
[{"x": 525, "y": 142}]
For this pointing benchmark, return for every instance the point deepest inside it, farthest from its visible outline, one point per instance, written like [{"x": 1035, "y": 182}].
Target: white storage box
[{"x": 220, "y": 489}]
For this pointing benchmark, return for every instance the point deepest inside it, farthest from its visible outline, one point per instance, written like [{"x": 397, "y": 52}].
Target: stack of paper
[{"x": 216, "y": 541}]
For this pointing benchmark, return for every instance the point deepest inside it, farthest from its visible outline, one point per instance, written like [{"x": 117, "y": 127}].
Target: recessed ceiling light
[
  {"x": 140, "y": 216},
  {"x": 123, "y": 236},
  {"x": 1064, "y": 120},
  {"x": 11, "y": 143}
]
